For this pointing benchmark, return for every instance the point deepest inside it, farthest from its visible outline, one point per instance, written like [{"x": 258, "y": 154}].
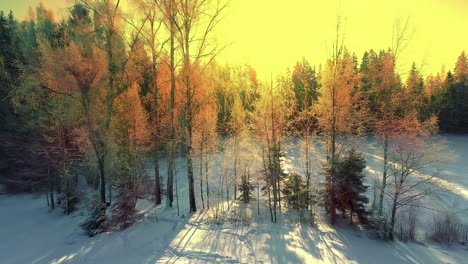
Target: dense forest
[{"x": 101, "y": 95}]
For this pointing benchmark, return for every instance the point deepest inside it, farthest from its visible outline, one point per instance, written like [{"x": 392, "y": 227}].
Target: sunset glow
[
  {"x": 233, "y": 131},
  {"x": 273, "y": 34}
]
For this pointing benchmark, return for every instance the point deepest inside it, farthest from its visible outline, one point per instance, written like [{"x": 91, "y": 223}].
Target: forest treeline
[{"x": 101, "y": 92}]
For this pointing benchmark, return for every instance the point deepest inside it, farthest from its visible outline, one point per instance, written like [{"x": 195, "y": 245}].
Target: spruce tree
[
  {"x": 351, "y": 185},
  {"x": 295, "y": 191},
  {"x": 347, "y": 193}
]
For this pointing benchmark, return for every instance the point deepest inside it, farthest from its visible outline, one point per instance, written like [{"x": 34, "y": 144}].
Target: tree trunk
[
  {"x": 67, "y": 191},
  {"x": 189, "y": 112},
  {"x": 109, "y": 187},
  {"x": 258, "y": 196},
  {"x": 58, "y": 188},
  {"x": 52, "y": 199},
  {"x": 384, "y": 177},
  {"x": 236, "y": 153},
  {"x": 170, "y": 175},
  {"x": 269, "y": 205},
  {"x": 193, "y": 205},
  {"x": 220, "y": 193},
  {"x": 177, "y": 197},
  {"x": 103, "y": 180},
  {"x": 201, "y": 176},
  {"x": 206, "y": 182},
  {"x": 157, "y": 179},
  {"x": 278, "y": 189},
  {"x": 51, "y": 187},
  {"x": 227, "y": 196},
  {"x": 170, "y": 158},
  {"x": 332, "y": 214},
  {"x": 391, "y": 234},
  {"x": 307, "y": 169},
  {"x": 332, "y": 206},
  {"x": 275, "y": 195}
]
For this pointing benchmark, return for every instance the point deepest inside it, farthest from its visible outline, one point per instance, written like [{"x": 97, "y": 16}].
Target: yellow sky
[
  {"x": 272, "y": 34},
  {"x": 20, "y": 7}
]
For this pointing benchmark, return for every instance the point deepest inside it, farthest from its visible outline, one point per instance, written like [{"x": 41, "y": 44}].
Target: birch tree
[
  {"x": 417, "y": 159},
  {"x": 104, "y": 41},
  {"x": 335, "y": 109},
  {"x": 270, "y": 124},
  {"x": 195, "y": 23}
]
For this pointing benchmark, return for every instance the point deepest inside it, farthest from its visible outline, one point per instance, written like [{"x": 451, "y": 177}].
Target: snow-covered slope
[{"x": 29, "y": 233}]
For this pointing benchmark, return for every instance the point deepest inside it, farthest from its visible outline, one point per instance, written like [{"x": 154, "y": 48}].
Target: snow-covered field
[{"x": 31, "y": 234}]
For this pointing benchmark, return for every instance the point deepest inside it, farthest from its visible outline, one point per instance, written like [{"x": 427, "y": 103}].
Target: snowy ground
[{"x": 31, "y": 234}]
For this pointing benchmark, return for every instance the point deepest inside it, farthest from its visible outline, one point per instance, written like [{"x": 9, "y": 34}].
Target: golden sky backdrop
[{"x": 273, "y": 34}]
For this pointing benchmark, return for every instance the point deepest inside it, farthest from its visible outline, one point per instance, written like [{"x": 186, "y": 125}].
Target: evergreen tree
[
  {"x": 295, "y": 191},
  {"x": 337, "y": 114},
  {"x": 246, "y": 188},
  {"x": 351, "y": 187},
  {"x": 453, "y": 115},
  {"x": 305, "y": 84},
  {"x": 348, "y": 193},
  {"x": 9, "y": 72},
  {"x": 415, "y": 90}
]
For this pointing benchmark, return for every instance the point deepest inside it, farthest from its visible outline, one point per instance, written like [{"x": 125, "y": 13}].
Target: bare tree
[
  {"x": 336, "y": 112},
  {"x": 153, "y": 20},
  {"x": 307, "y": 148},
  {"x": 403, "y": 32},
  {"x": 195, "y": 23},
  {"x": 388, "y": 92},
  {"x": 271, "y": 122},
  {"x": 417, "y": 160},
  {"x": 107, "y": 20},
  {"x": 169, "y": 10},
  {"x": 205, "y": 139}
]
